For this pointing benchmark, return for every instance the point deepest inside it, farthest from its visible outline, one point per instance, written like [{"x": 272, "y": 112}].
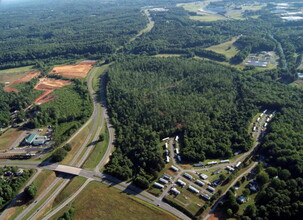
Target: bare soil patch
[
  {"x": 78, "y": 70},
  {"x": 49, "y": 85},
  {"x": 26, "y": 78}
]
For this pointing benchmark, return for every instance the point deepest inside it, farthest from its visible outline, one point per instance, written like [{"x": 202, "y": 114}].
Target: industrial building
[{"x": 34, "y": 139}]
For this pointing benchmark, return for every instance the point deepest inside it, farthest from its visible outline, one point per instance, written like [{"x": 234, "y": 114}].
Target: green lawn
[
  {"x": 207, "y": 17},
  {"x": 98, "y": 201},
  {"x": 168, "y": 55},
  {"x": 297, "y": 83},
  {"x": 17, "y": 70},
  {"x": 226, "y": 48},
  {"x": 8, "y": 137}
]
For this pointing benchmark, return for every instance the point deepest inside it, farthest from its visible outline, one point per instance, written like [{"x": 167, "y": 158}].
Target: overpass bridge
[
  {"x": 76, "y": 171},
  {"x": 68, "y": 169}
]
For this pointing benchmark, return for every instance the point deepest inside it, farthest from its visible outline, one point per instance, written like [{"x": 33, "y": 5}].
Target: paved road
[
  {"x": 111, "y": 131},
  {"x": 93, "y": 117}
]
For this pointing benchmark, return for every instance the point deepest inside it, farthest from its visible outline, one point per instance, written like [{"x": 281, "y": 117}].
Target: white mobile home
[
  {"x": 199, "y": 183},
  {"x": 158, "y": 185},
  {"x": 175, "y": 191},
  {"x": 188, "y": 176},
  {"x": 181, "y": 183},
  {"x": 193, "y": 189},
  {"x": 167, "y": 159},
  {"x": 173, "y": 168},
  {"x": 210, "y": 189},
  {"x": 164, "y": 181},
  {"x": 203, "y": 176},
  {"x": 238, "y": 164}
]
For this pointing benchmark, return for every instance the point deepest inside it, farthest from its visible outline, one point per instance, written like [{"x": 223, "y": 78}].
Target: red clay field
[
  {"x": 78, "y": 70},
  {"x": 26, "y": 78},
  {"x": 49, "y": 85}
]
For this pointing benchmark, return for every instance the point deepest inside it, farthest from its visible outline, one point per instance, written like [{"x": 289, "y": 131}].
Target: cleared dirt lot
[
  {"x": 48, "y": 85},
  {"x": 78, "y": 70},
  {"x": 26, "y": 78}
]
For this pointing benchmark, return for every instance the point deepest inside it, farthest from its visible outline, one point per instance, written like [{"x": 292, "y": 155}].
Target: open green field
[
  {"x": 207, "y": 17},
  {"x": 232, "y": 11},
  {"x": 11, "y": 75},
  {"x": 195, "y": 6},
  {"x": 8, "y": 138},
  {"x": 226, "y": 48},
  {"x": 17, "y": 70},
  {"x": 97, "y": 200},
  {"x": 298, "y": 83},
  {"x": 202, "y": 16},
  {"x": 168, "y": 55},
  {"x": 238, "y": 14}
]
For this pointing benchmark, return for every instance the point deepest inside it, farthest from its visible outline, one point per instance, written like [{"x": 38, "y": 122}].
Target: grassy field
[
  {"x": 298, "y": 83},
  {"x": 11, "y": 75},
  {"x": 238, "y": 14},
  {"x": 207, "y": 17},
  {"x": 202, "y": 16},
  {"x": 231, "y": 12},
  {"x": 195, "y": 6},
  {"x": 17, "y": 70},
  {"x": 168, "y": 55},
  {"x": 226, "y": 48},
  {"x": 97, "y": 200},
  {"x": 98, "y": 152},
  {"x": 8, "y": 138}
]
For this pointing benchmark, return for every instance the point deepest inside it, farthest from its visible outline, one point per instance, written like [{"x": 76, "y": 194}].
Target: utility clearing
[
  {"x": 48, "y": 85},
  {"x": 78, "y": 70},
  {"x": 26, "y": 78}
]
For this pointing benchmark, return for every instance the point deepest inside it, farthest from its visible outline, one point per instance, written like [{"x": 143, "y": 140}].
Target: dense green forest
[
  {"x": 150, "y": 98},
  {"x": 210, "y": 107},
  {"x": 67, "y": 29}
]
